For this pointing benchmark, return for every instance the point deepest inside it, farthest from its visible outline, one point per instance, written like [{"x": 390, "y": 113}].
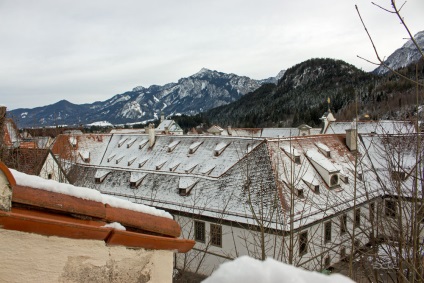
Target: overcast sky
[{"x": 89, "y": 50}]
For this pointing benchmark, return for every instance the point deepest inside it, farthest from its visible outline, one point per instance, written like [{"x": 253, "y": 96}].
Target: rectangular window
[
  {"x": 327, "y": 261},
  {"x": 343, "y": 224},
  {"x": 327, "y": 232},
  {"x": 216, "y": 235},
  {"x": 303, "y": 243},
  {"x": 372, "y": 212},
  {"x": 390, "y": 208},
  {"x": 342, "y": 253},
  {"x": 357, "y": 217},
  {"x": 199, "y": 231}
]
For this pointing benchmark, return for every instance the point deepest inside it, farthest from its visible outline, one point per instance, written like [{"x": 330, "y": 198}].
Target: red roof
[{"x": 55, "y": 214}]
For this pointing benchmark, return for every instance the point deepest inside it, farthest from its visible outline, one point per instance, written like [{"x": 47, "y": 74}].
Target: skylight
[
  {"x": 85, "y": 155},
  {"x": 292, "y": 152}
]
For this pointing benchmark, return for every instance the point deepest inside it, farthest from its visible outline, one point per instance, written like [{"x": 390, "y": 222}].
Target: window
[
  {"x": 342, "y": 253},
  {"x": 327, "y": 233},
  {"x": 327, "y": 261},
  {"x": 303, "y": 243},
  {"x": 216, "y": 235},
  {"x": 357, "y": 218},
  {"x": 199, "y": 231},
  {"x": 390, "y": 208},
  {"x": 343, "y": 224},
  {"x": 334, "y": 180},
  {"x": 372, "y": 212},
  {"x": 50, "y": 176}
]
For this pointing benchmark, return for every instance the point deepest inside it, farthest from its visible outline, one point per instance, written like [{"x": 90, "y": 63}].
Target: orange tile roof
[{"x": 55, "y": 214}]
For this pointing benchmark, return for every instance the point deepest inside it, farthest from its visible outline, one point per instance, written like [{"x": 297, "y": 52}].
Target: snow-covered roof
[
  {"x": 221, "y": 179},
  {"x": 83, "y": 193},
  {"x": 368, "y": 127},
  {"x": 279, "y": 132},
  {"x": 169, "y": 125},
  {"x": 393, "y": 159}
]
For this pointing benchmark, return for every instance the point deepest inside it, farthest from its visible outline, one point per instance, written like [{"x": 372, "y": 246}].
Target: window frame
[
  {"x": 216, "y": 235},
  {"x": 357, "y": 218},
  {"x": 343, "y": 224},
  {"x": 390, "y": 210},
  {"x": 199, "y": 231},
  {"x": 327, "y": 232},
  {"x": 303, "y": 243}
]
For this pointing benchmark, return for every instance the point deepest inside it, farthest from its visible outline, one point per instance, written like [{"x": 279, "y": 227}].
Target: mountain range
[
  {"x": 292, "y": 97},
  {"x": 197, "y": 93}
]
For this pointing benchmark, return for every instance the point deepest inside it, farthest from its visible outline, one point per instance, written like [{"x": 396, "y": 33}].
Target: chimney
[
  {"x": 167, "y": 130},
  {"x": 151, "y": 133},
  {"x": 351, "y": 135},
  {"x": 162, "y": 117}
]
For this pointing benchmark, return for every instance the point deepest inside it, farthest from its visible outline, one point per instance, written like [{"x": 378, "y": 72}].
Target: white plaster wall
[
  {"x": 26, "y": 257},
  {"x": 237, "y": 242},
  {"x": 50, "y": 166}
]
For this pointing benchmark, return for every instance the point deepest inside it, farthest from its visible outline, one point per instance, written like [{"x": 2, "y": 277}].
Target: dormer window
[
  {"x": 136, "y": 179},
  {"x": 85, "y": 156},
  {"x": 194, "y": 146},
  {"x": 174, "y": 166},
  {"x": 292, "y": 152},
  {"x": 323, "y": 149},
  {"x": 172, "y": 145},
  {"x": 311, "y": 183},
  {"x": 100, "y": 176},
  {"x": 109, "y": 159},
  {"x": 131, "y": 160},
  {"x": 207, "y": 169},
  {"x": 190, "y": 167},
  {"x": 300, "y": 193},
  {"x": 160, "y": 164},
  {"x": 130, "y": 143},
  {"x": 219, "y": 149},
  {"x": 119, "y": 159},
  {"x": 324, "y": 167},
  {"x": 334, "y": 180},
  {"x": 142, "y": 143},
  {"x": 186, "y": 184},
  {"x": 142, "y": 162},
  {"x": 122, "y": 141}
]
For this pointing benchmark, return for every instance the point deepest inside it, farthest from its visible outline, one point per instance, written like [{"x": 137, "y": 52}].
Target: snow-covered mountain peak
[{"x": 403, "y": 56}]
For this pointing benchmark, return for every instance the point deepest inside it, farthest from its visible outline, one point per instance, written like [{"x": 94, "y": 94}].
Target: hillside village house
[
  {"x": 297, "y": 200},
  {"x": 60, "y": 233}
]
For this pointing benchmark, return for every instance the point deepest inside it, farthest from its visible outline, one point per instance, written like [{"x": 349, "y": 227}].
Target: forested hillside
[{"x": 301, "y": 96}]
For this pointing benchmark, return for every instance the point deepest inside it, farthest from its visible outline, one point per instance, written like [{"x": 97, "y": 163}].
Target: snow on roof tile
[{"x": 322, "y": 161}]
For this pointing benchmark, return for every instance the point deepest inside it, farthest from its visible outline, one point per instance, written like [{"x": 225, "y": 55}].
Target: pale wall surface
[{"x": 26, "y": 257}]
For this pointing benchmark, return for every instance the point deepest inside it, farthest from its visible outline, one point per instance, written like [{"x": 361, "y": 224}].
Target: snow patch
[{"x": 115, "y": 225}]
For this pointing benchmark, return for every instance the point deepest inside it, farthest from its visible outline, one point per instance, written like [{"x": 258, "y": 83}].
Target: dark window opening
[
  {"x": 303, "y": 243},
  {"x": 327, "y": 234},
  {"x": 216, "y": 235},
  {"x": 199, "y": 231}
]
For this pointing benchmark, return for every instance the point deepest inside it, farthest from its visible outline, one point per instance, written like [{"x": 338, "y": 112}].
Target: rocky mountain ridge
[
  {"x": 403, "y": 56},
  {"x": 197, "y": 93}
]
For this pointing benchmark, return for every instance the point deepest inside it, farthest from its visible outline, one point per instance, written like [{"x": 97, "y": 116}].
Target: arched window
[{"x": 334, "y": 180}]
